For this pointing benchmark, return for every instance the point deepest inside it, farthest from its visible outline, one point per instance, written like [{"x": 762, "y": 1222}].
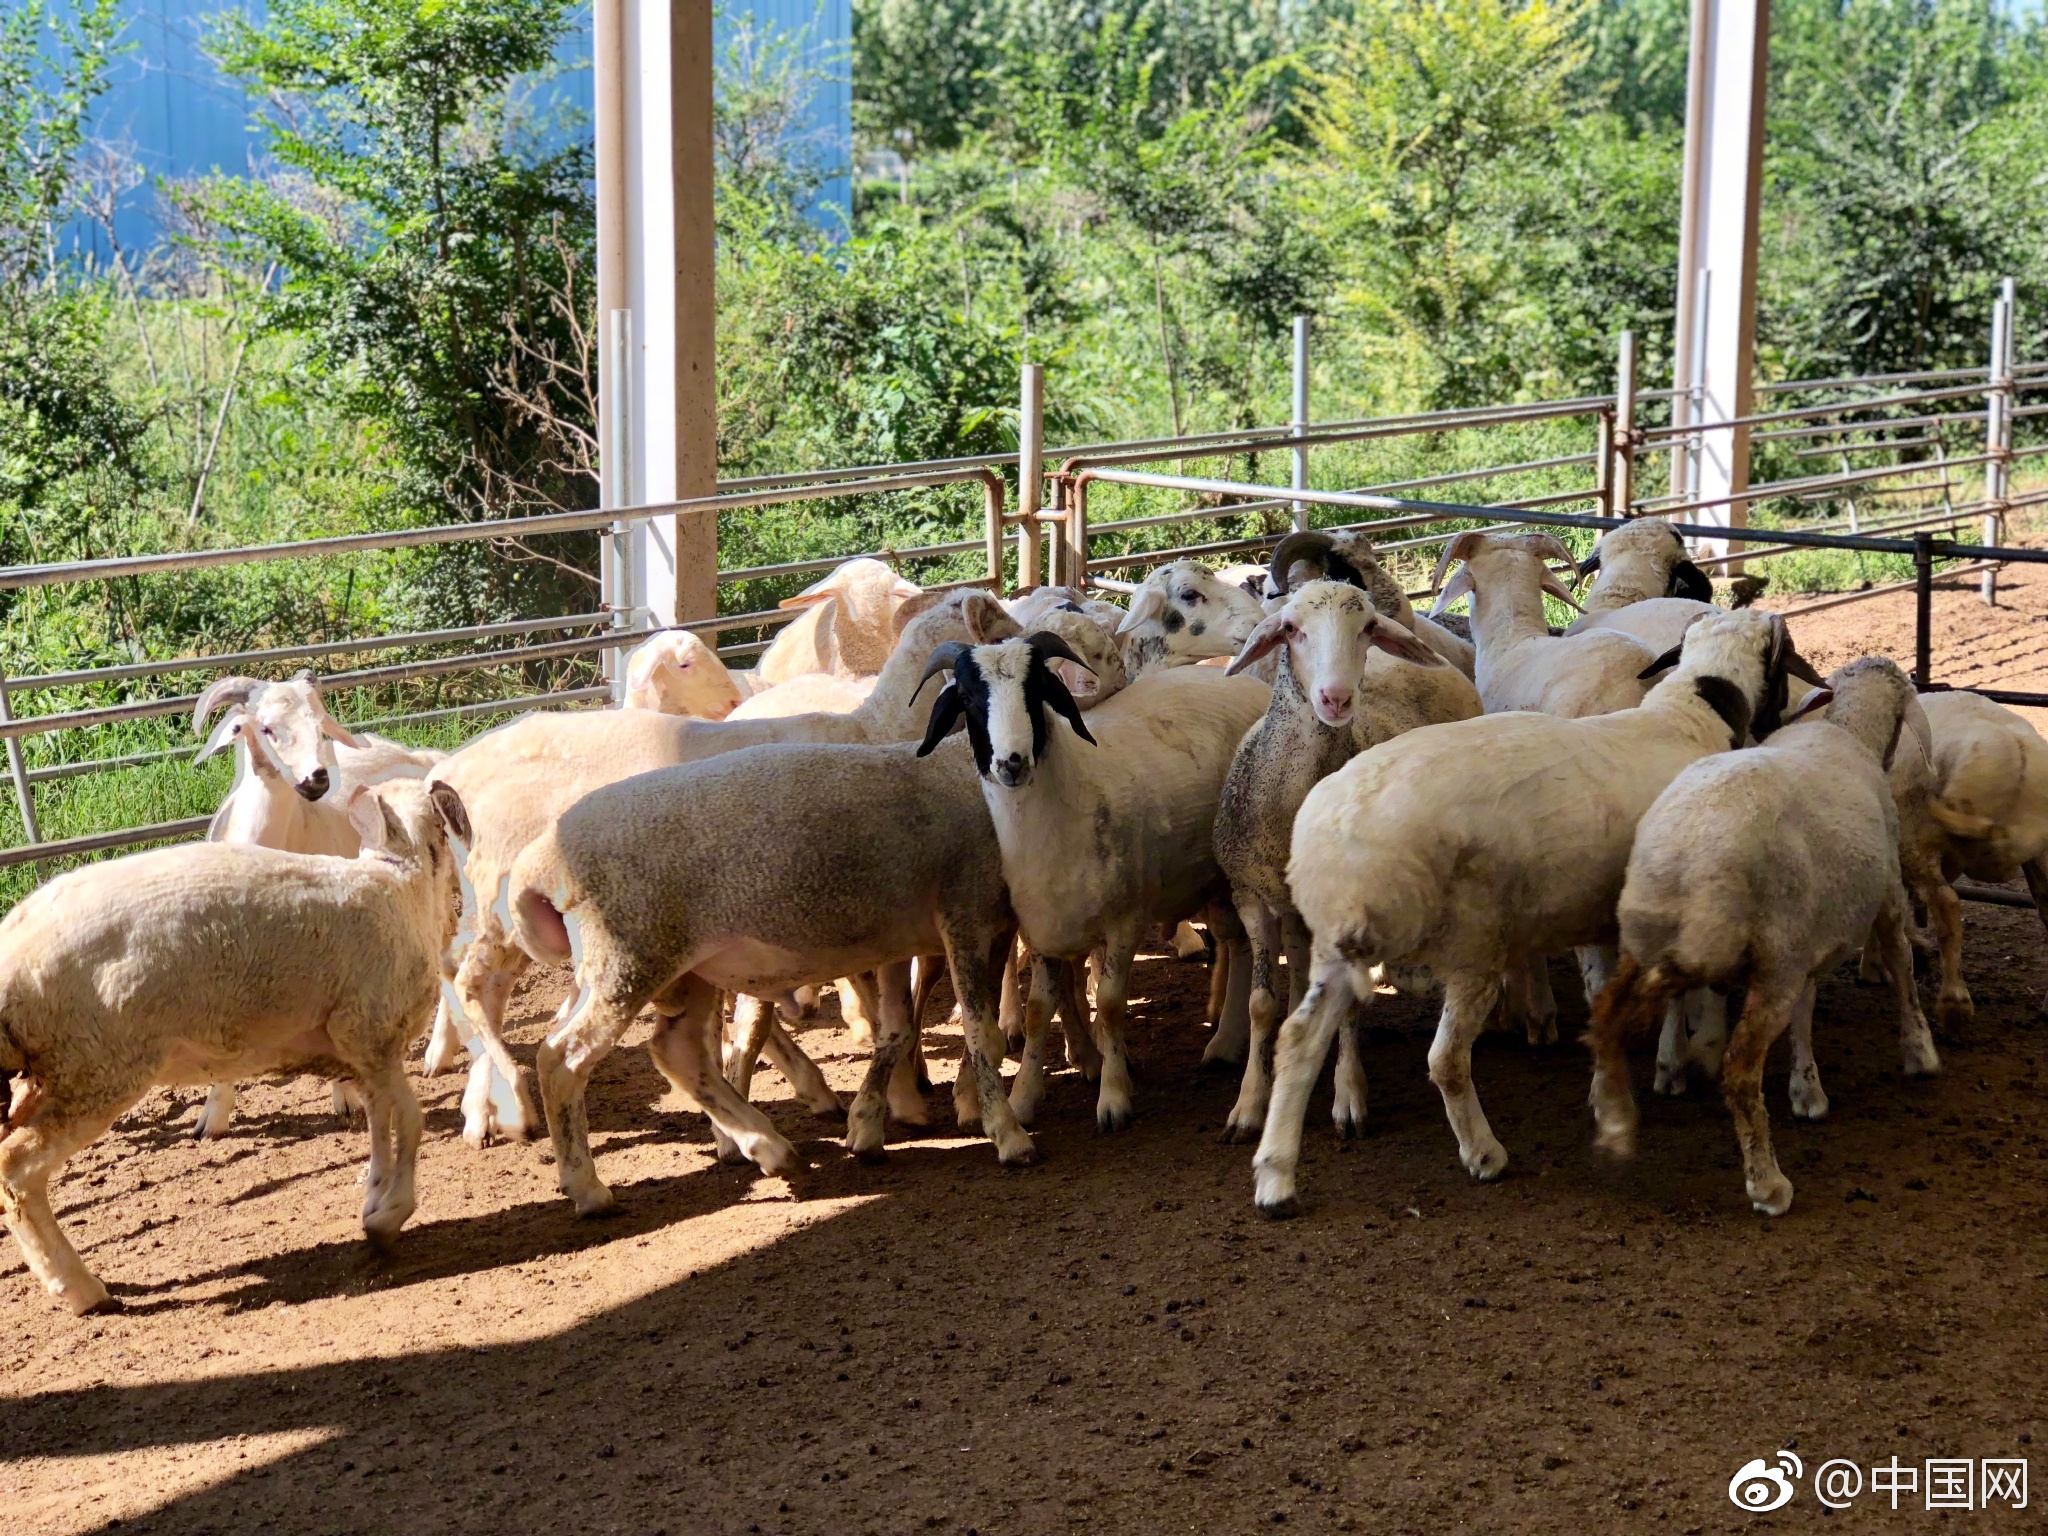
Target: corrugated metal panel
[{"x": 182, "y": 119}]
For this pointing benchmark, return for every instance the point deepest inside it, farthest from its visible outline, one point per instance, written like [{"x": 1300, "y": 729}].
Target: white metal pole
[
  {"x": 1998, "y": 428},
  {"x": 1300, "y": 479},
  {"x": 624, "y": 546},
  {"x": 24, "y": 793},
  {"x": 1030, "y": 474}
]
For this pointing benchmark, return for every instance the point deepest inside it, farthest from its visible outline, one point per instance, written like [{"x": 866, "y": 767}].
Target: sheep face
[
  {"x": 1185, "y": 612},
  {"x": 1329, "y": 629},
  {"x": 285, "y": 726},
  {"x": 1001, "y": 693},
  {"x": 1099, "y": 670},
  {"x": 678, "y": 674}
]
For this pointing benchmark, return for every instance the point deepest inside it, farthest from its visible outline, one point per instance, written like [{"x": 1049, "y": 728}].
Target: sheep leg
[
  {"x": 29, "y": 1156},
  {"x": 1468, "y": 999},
  {"x": 1347, "y": 1107},
  {"x": 1233, "y": 1018},
  {"x": 1082, "y": 1054},
  {"x": 1539, "y": 1002},
  {"x": 1297, "y": 1061},
  {"x": 564, "y": 1063},
  {"x": 1294, "y": 940},
  {"x": 497, "y": 1100},
  {"x": 216, "y": 1113},
  {"x": 1219, "y": 999},
  {"x": 1916, "y": 1042},
  {"x": 444, "y": 1046},
  {"x": 805, "y": 1006},
  {"x": 857, "y": 1007},
  {"x": 394, "y": 1115},
  {"x": 1112, "y": 984},
  {"x": 1671, "y": 1051},
  {"x": 1809, "y": 1098},
  {"x": 685, "y": 1050},
  {"x": 1027, "y": 1088},
  {"x": 788, "y": 1058},
  {"x": 1766, "y": 1012},
  {"x": 865, "y": 1121},
  {"x": 975, "y": 961},
  {"x": 1248, "y": 1115},
  {"x": 1953, "y": 1009},
  {"x": 750, "y": 1016},
  {"x": 1011, "y": 1015}
]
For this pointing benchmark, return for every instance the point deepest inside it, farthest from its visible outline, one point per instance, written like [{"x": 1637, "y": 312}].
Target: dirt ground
[{"x": 1113, "y": 1339}]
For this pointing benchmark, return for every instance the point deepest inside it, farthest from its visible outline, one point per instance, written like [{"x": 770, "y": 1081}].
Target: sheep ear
[
  {"x": 447, "y": 803},
  {"x": 1662, "y": 664},
  {"x": 1055, "y": 693},
  {"x": 1559, "y": 590},
  {"x": 366, "y": 814},
  {"x": 1272, "y": 630},
  {"x": 1455, "y": 588},
  {"x": 1397, "y": 641},
  {"x": 223, "y": 734},
  {"x": 329, "y": 726},
  {"x": 1688, "y": 580},
  {"x": 1146, "y": 603},
  {"x": 987, "y": 621},
  {"x": 947, "y": 711}
]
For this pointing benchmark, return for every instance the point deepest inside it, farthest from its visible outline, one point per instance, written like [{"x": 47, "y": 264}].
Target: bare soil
[{"x": 1113, "y": 1339}]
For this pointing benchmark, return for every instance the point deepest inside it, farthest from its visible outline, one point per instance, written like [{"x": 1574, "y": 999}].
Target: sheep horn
[
  {"x": 944, "y": 659},
  {"x": 1293, "y": 547},
  {"x": 220, "y": 692},
  {"x": 1045, "y": 643}
]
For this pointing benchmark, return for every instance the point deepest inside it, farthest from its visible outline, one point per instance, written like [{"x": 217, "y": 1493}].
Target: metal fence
[{"x": 1943, "y": 441}]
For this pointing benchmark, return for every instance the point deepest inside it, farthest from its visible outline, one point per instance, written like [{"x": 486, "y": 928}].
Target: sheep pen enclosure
[{"x": 1113, "y": 1339}]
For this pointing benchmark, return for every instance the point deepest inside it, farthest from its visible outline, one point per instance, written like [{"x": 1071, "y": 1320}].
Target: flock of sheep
[{"x": 1026, "y": 793}]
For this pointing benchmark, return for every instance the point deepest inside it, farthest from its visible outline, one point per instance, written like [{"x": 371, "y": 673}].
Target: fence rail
[{"x": 1970, "y": 434}]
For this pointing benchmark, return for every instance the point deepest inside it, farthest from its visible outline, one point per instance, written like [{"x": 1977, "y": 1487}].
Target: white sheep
[
  {"x": 660, "y": 890},
  {"x": 296, "y": 767},
  {"x": 1479, "y": 846},
  {"x": 518, "y": 779},
  {"x": 1184, "y": 612},
  {"x": 849, "y": 625},
  {"x": 1347, "y": 555},
  {"x": 1762, "y": 870},
  {"x": 185, "y": 964},
  {"x": 1100, "y": 843},
  {"x": 678, "y": 673},
  {"x": 1521, "y": 664},
  {"x": 1339, "y": 691}
]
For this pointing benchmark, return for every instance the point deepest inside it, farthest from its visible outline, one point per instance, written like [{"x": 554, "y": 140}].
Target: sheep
[
  {"x": 1644, "y": 585},
  {"x": 1184, "y": 612},
  {"x": 295, "y": 768},
  {"x": 1347, "y": 555},
  {"x": 1763, "y": 870},
  {"x": 518, "y": 779},
  {"x": 678, "y": 673},
  {"x": 1991, "y": 805},
  {"x": 1520, "y": 664},
  {"x": 1098, "y": 845},
  {"x": 1478, "y": 846},
  {"x": 189, "y": 963},
  {"x": 660, "y": 890},
  {"x": 1334, "y": 697},
  {"x": 813, "y": 693},
  {"x": 849, "y": 627}
]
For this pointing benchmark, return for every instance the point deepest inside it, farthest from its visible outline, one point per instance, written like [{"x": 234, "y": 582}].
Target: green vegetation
[{"x": 390, "y": 323}]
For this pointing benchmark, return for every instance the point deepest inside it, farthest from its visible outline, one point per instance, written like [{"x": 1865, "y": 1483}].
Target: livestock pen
[{"x": 1112, "y": 1336}]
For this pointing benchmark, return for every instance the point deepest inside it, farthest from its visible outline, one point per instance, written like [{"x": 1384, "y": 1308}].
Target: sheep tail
[
  {"x": 1631, "y": 1006},
  {"x": 537, "y": 903},
  {"x": 1959, "y": 823}
]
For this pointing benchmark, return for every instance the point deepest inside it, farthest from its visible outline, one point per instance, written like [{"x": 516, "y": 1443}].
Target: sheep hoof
[
  {"x": 1238, "y": 1134},
  {"x": 1773, "y": 1198},
  {"x": 1486, "y": 1160},
  {"x": 1954, "y": 1014},
  {"x": 873, "y": 1156},
  {"x": 1349, "y": 1125},
  {"x": 1285, "y": 1209},
  {"x": 90, "y": 1299},
  {"x": 1809, "y": 1099},
  {"x": 836, "y": 1113},
  {"x": 1109, "y": 1120},
  {"x": 1023, "y": 1157},
  {"x": 597, "y": 1202},
  {"x": 924, "y": 1079},
  {"x": 1670, "y": 1081}
]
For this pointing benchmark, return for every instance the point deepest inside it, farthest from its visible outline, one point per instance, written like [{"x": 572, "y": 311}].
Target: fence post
[
  {"x": 1923, "y": 607},
  {"x": 622, "y": 580},
  {"x": 1030, "y": 475},
  {"x": 1998, "y": 404},
  {"x": 1077, "y": 535},
  {"x": 1621, "y": 483},
  {"x": 992, "y": 521},
  {"x": 1300, "y": 480},
  {"x": 24, "y": 796}
]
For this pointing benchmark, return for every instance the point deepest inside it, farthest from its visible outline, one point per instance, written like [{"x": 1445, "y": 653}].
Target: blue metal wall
[{"x": 182, "y": 119}]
